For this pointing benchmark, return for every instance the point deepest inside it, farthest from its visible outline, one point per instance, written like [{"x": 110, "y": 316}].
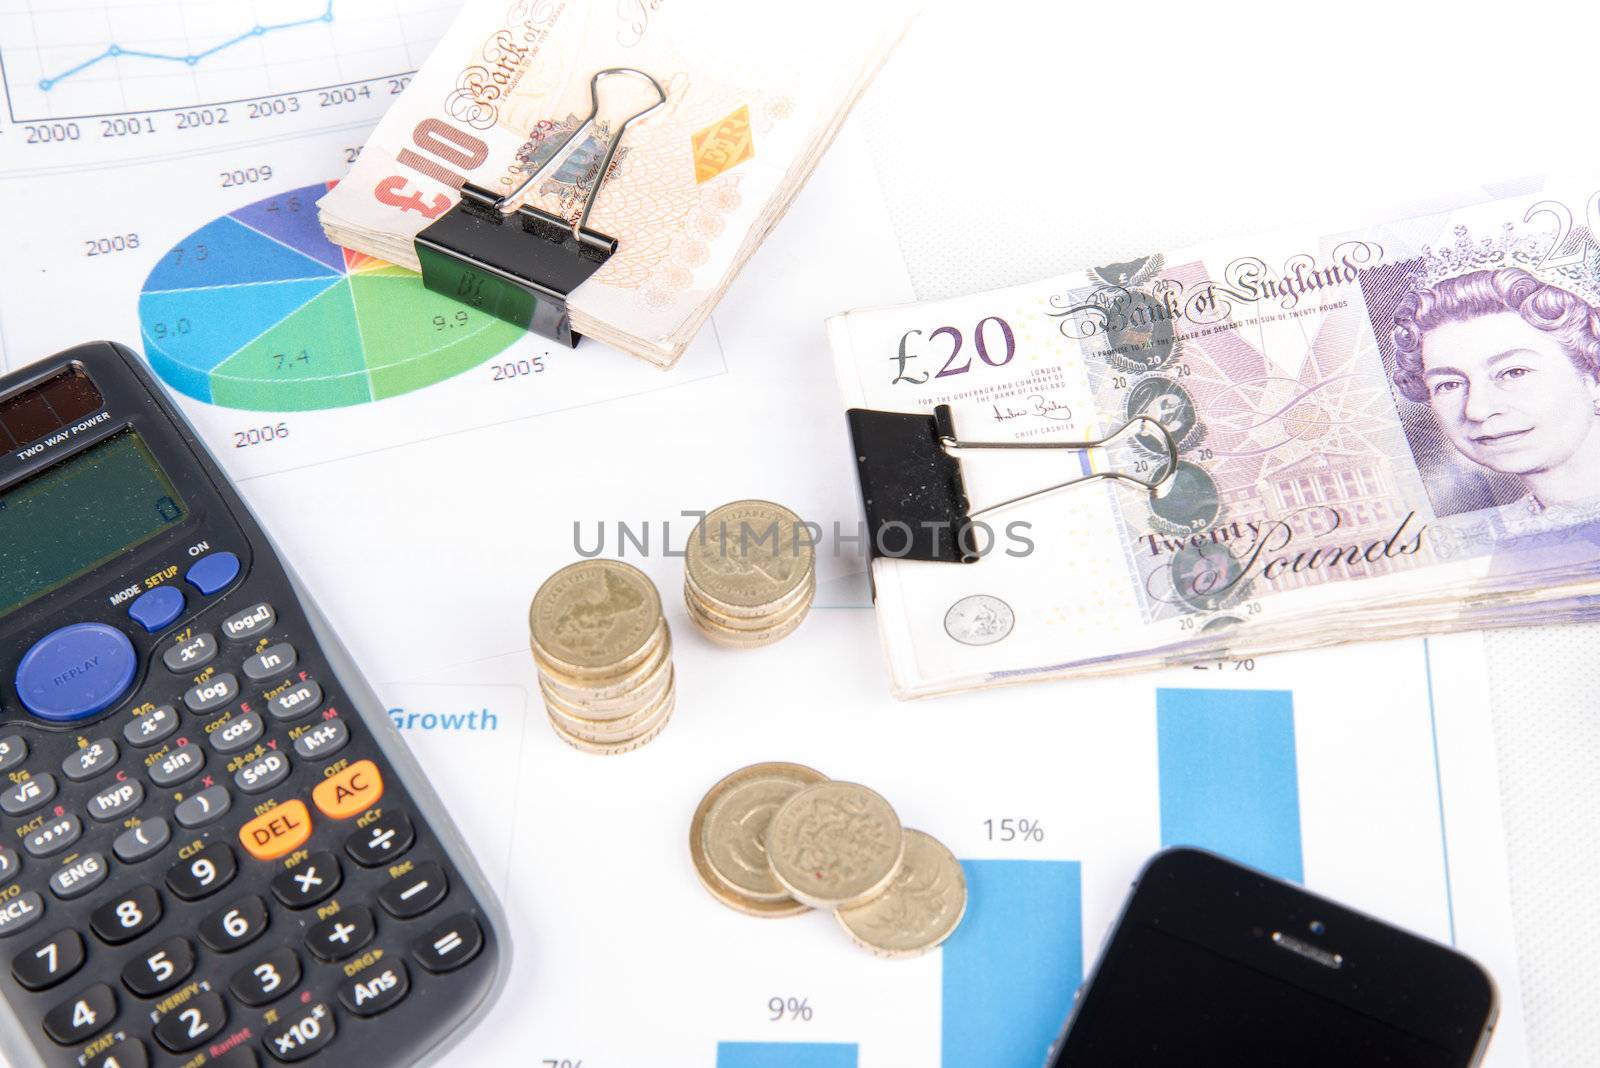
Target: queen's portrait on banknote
[{"x": 1510, "y": 366}]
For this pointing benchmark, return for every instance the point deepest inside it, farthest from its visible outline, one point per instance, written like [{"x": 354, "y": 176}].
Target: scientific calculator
[{"x": 215, "y": 849}]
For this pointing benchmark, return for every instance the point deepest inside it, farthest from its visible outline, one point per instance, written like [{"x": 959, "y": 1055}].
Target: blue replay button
[{"x": 77, "y": 671}]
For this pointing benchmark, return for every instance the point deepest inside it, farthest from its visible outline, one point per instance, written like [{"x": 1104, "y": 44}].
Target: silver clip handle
[
  {"x": 560, "y": 154},
  {"x": 1153, "y": 486}
]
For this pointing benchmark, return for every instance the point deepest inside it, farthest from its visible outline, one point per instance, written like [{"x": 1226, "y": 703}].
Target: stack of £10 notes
[
  {"x": 695, "y": 186},
  {"x": 1383, "y": 433}
]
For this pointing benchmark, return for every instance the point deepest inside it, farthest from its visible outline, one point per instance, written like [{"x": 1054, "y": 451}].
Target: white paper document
[{"x": 425, "y": 511}]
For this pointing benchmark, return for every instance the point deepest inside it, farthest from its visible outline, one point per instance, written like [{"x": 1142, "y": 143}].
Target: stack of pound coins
[
  {"x": 749, "y": 573},
  {"x": 604, "y": 656},
  {"x": 776, "y": 840}
]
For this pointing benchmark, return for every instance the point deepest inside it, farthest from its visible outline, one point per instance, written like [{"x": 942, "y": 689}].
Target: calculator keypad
[
  {"x": 129, "y": 1053},
  {"x": 43, "y": 965},
  {"x": 309, "y": 883},
  {"x": 343, "y": 934},
  {"x": 127, "y": 917},
  {"x": 143, "y": 841},
  {"x": 159, "y": 968},
  {"x": 79, "y": 1017},
  {"x": 196, "y": 1023},
  {"x": 203, "y": 874},
  {"x": 28, "y": 795},
  {"x": 267, "y": 979},
  {"x": 152, "y": 728},
  {"x": 205, "y": 915}
]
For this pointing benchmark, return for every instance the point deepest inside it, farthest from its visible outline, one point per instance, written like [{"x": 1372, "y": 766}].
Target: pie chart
[{"x": 257, "y": 310}]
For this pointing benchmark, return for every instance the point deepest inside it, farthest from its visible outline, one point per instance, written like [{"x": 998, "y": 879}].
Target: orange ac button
[
  {"x": 354, "y": 789},
  {"x": 278, "y": 831}
]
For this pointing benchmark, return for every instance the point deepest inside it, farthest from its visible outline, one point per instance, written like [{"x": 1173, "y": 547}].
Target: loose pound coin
[
  {"x": 749, "y": 573},
  {"x": 835, "y": 844},
  {"x": 921, "y": 907},
  {"x": 604, "y": 656},
  {"x": 727, "y": 834}
]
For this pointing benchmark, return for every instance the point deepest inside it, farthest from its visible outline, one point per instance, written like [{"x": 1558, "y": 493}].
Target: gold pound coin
[
  {"x": 749, "y": 555},
  {"x": 835, "y": 844},
  {"x": 713, "y": 614},
  {"x": 625, "y": 684},
  {"x": 714, "y": 883},
  {"x": 735, "y": 833},
  {"x": 595, "y": 619},
  {"x": 585, "y": 706},
  {"x": 746, "y": 638},
  {"x": 625, "y": 746},
  {"x": 921, "y": 907},
  {"x": 575, "y": 723},
  {"x": 755, "y": 615}
]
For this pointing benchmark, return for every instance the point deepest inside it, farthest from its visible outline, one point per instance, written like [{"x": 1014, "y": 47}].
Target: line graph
[
  {"x": 82, "y": 59},
  {"x": 114, "y": 51}
]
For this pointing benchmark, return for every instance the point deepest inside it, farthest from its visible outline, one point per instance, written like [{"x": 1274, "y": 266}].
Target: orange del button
[
  {"x": 355, "y": 788},
  {"x": 278, "y": 831}
]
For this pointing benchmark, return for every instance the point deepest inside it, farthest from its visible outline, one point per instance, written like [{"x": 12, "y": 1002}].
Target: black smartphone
[{"x": 1214, "y": 963}]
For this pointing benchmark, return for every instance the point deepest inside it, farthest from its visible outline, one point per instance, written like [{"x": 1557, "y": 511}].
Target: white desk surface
[{"x": 1015, "y": 141}]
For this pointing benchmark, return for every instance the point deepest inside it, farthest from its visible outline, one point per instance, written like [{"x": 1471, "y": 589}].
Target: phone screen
[
  {"x": 1164, "y": 1000},
  {"x": 1215, "y": 963}
]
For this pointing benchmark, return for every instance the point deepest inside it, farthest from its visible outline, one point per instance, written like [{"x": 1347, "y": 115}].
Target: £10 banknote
[
  {"x": 1387, "y": 432},
  {"x": 750, "y": 105}
]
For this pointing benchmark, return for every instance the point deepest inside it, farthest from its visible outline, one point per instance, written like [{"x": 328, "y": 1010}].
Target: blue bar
[
  {"x": 1229, "y": 782},
  {"x": 1011, "y": 968},
  {"x": 786, "y": 1055}
]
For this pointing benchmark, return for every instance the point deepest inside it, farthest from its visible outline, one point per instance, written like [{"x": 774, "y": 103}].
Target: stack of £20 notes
[{"x": 1383, "y": 433}]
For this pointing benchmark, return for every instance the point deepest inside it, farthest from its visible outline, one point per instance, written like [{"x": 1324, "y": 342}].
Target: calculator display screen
[{"x": 69, "y": 519}]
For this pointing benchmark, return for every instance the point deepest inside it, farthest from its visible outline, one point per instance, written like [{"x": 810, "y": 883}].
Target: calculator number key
[
  {"x": 13, "y": 751},
  {"x": 235, "y": 926},
  {"x": 129, "y": 1053},
  {"x": 204, "y": 873},
  {"x": 158, "y": 970},
  {"x": 268, "y": 979},
  {"x": 73, "y": 1021},
  {"x": 198, "y": 1021},
  {"x": 42, "y": 966},
  {"x": 301, "y": 1035},
  {"x": 127, "y": 917}
]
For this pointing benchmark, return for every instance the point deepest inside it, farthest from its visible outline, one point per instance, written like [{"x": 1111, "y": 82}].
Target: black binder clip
[
  {"x": 914, "y": 494},
  {"x": 522, "y": 264}
]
